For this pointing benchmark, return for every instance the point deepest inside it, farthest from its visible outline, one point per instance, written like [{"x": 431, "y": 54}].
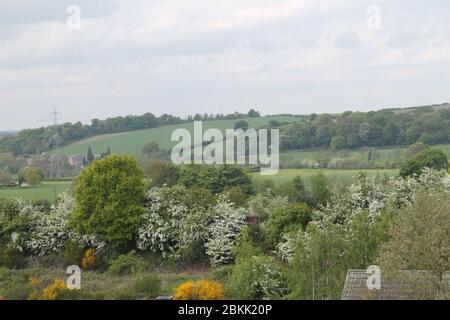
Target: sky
[{"x": 105, "y": 58}]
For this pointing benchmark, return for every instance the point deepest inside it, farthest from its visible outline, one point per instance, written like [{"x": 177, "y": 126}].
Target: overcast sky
[{"x": 218, "y": 56}]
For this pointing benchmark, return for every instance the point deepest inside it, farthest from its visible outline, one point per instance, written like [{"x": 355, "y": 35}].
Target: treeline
[
  {"x": 372, "y": 129},
  {"x": 36, "y": 141}
]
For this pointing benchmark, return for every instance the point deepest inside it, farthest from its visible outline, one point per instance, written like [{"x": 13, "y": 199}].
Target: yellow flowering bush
[
  {"x": 52, "y": 291},
  {"x": 185, "y": 291},
  {"x": 34, "y": 283},
  {"x": 202, "y": 290},
  {"x": 89, "y": 261}
]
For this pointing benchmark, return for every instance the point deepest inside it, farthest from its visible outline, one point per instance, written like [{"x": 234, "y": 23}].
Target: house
[
  {"x": 77, "y": 160},
  {"x": 408, "y": 285}
]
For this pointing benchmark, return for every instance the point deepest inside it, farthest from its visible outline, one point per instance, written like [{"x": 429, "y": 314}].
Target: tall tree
[
  {"x": 90, "y": 155},
  {"x": 109, "y": 200}
]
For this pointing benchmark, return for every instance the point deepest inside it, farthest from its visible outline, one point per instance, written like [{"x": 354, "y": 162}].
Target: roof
[
  {"x": 77, "y": 157},
  {"x": 407, "y": 285}
]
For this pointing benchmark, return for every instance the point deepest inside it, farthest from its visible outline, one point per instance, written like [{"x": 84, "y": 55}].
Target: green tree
[
  {"x": 241, "y": 124},
  {"x": 338, "y": 142},
  {"x": 320, "y": 189},
  {"x": 284, "y": 220},
  {"x": 109, "y": 199},
  {"x": 161, "y": 173},
  {"x": 90, "y": 155},
  {"x": 5, "y": 178},
  {"x": 32, "y": 176},
  {"x": 420, "y": 240},
  {"x": 150, "y": 148},
  {"x": 430, "y": 158}
]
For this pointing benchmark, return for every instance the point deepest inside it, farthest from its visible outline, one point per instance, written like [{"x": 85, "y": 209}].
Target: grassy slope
[{"x": 133, "y": 141}]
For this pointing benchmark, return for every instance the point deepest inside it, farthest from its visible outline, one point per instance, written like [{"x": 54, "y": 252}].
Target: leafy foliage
[{"x": 109, "y": 200}]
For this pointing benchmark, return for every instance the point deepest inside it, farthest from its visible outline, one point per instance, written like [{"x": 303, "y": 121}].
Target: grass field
[
  {"x": 133, "y": 141},
  {"x": 380, "y": 156},
  {"x": 285, "y": 175},
  {"x": 46, "y": 190}
]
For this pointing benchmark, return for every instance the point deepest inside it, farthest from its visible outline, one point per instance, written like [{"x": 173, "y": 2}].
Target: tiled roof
[{"x": 407, "y": 285}]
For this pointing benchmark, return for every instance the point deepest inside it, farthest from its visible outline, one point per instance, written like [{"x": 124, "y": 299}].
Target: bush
[
  {"x": 254, "y": 276},
  {"x": 284, "y": 220},
  {"x": 89, "y": 261},
  {"x": 202, "y": 290},
  {"x": 430, "y": 158},
  {"x": 53, "y": 290},
  {"x": 149, "y": 285},
  {"x": 12, "y": 258},
  {"x": 72, "y": 253},
  {"x": 127, "y": 264},
  {"x": 127, "y": 293},
  {"x": 257, "y": 277}
]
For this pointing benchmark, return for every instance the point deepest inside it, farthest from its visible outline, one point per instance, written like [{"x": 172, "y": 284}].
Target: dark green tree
[{"x": 90, "y": 155}]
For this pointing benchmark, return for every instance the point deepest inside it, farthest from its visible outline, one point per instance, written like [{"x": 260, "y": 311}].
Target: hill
[{"x": 132, "y": 142}]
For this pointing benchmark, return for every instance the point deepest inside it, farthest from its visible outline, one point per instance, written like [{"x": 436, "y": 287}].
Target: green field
[
  {"x": 46, "y": 190},
  {"x": 285, "y": 175},
  {"x": 380, "y": 156},
  {"x": 133, "y": 141}
]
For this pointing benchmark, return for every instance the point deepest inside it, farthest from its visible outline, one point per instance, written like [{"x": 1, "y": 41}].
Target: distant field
[
  {"x": 133, "y": 141},
  {"x": 285, "y": 175},
  {"x": 47, "y": 190},
  {"x": 379, "y": 155}
]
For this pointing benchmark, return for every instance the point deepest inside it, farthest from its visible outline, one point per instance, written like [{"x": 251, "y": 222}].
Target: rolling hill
[{"x": 132, "y": 142}]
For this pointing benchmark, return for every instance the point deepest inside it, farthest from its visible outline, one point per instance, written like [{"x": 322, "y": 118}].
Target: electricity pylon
[{"x": 56, "y": 161}]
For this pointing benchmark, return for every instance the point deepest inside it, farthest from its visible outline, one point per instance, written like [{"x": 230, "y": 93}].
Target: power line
[{"x": 56, "y": 161}]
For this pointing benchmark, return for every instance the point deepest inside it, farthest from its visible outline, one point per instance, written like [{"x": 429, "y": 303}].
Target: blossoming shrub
[
  {"x": 202, "y": 290},
  {"x": 224, "y": 232},
  {"x": 350, "y": 231},
  {"x": 255, "y": 276}
]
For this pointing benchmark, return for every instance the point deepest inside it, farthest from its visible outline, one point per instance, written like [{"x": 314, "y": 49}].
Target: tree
[
  {"x": 32, "y": 176},
  {"x": 320, "y": 189},
  {"x": 337, "y": 142},
  {"x": 242, "y": 124},
  {"x": 430, "y": 158},
  {"x": 416, "y": 148},
  {"x": 292, "y": 218},
  {"x": 5, "y": 178},
  {"x": 90, "y": 155},
  {"x": 109, "y": 199},
  {"x": 253, "y": 114},
  {"x": 420, "y": 240},
  {"x": 150, "y": 148},
  {"x": 216, "y": 178},
  {"x": 161, "y": 173}
]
